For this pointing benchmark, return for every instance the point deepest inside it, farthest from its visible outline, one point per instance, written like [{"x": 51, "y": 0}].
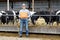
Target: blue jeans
[{"x": 22, "y": 22}]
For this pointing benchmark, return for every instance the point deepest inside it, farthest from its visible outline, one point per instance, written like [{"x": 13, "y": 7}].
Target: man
[{"x": 24, "y": 14}]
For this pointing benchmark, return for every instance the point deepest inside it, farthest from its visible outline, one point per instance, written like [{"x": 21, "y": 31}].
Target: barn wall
[
  {"x": 39, "y": 4},
  {"x": 55, "y": 4},
  {"x": 43, "y": 4},
  {"x": 17, "y": 5},
  {"x": 3, "y": 5}
]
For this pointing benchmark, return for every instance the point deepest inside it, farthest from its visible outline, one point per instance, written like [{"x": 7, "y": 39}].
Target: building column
[
  {"x": 32, "y": 5},
  {"x": 7, "y": 4}
]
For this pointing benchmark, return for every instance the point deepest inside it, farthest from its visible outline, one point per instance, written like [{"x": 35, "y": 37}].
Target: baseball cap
[{"x": 23, "y": 4}]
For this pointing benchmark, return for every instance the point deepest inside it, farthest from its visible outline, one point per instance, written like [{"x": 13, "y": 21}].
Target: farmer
[{"x": 24, "y": 14}]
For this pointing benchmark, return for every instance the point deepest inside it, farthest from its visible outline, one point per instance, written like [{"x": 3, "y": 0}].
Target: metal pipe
[
  {"x": 32, "y": 5},
  {"x": 7, "y": 4}
]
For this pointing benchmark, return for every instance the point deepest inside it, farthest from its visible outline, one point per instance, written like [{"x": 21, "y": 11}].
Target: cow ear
[{"x": 32, "y": 12}]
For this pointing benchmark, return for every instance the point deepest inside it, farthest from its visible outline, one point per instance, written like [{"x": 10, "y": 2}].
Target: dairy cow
[
  {"x": 8, "y": 16},
  {"x": 47, "y": 15}
]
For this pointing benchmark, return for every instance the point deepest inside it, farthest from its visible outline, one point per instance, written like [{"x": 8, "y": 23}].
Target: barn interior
[
  {"x": 41, "y": 30},
  {"x": 38, "y": 4},
  {"x": 33, "y": 5}
]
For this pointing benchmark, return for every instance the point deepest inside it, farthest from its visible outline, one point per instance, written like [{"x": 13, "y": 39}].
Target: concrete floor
[{"x": 15, "y": 36}]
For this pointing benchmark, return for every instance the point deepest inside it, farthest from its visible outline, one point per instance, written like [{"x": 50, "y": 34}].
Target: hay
[
  {"x": 40, "y": 22},
  {"x": 59, "y": 24},
  {"x": 55, "y": 24},
  {"x": 30, "y": 24},
  {"x": 18, "y": 24}
]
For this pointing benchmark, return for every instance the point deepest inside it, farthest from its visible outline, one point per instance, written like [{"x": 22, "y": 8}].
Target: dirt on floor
[{"x": 38, "y": 36}]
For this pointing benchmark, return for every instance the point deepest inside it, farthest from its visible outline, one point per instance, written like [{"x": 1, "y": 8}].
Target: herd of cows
[{"x": 50, "y": 17}]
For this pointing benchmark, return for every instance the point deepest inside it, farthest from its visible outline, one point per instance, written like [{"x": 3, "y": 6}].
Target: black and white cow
[
  {"x": 58, "y": 13},
  {"x": 3, "y": 17},
  {"x": 8, "y": 16},
  {"x": 48, "y": 19},
  {"x": 0, "y": 15}
]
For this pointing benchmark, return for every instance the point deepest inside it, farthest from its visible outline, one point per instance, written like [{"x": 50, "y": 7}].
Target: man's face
[{"x": 24, "y": 7}]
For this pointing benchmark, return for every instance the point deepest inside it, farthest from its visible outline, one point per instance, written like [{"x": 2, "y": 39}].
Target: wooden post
[
  {"x": 32, "y": 5},
  {"x": 7, "y": 4}
]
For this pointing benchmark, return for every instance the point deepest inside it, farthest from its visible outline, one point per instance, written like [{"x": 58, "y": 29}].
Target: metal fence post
[
  {"x": 32, "y": 5},
  {"x": 7, "y": 4}
]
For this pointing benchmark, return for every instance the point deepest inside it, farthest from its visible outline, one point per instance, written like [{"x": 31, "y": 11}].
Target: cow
[
  {"x": 49, "y": 18},
  {"x": 8, "y": 16},
  {"x": 58, "y": 13},
  {"x": 0, "y": 15},
  {"x": 3, "y": 17}
]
